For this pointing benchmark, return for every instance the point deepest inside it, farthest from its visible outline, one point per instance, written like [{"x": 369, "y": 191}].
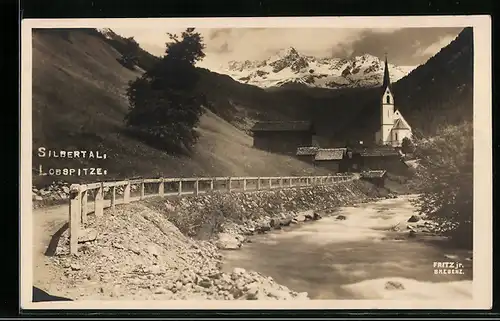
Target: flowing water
[{"x": 356, "y": 257}]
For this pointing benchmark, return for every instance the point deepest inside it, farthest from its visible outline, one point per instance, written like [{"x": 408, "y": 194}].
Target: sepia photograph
[{"x": 256, "y": 163}]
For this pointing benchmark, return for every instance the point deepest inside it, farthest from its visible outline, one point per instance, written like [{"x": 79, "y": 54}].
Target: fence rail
[{"x": 80, "y": 206}]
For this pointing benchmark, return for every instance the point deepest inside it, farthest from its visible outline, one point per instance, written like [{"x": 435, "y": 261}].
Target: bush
[
  {"x": 407, "y": 146},
  {"x": 446, "y": 181}
]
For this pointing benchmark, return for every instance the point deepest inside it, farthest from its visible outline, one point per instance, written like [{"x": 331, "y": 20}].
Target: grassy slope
[{"x": 79, "y": 102}]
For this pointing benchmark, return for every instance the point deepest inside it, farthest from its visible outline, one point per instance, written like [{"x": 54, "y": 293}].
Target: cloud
[
  {"x": 435, "y": 47},
  {"x": 404, "y": 46},
  {"x": 215, "y": 33},
  {"x": 409, "y": 46}
]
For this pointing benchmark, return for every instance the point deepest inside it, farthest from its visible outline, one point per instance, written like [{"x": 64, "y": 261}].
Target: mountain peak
[
  {"x": 291, "y": 51},
  {"x": 285, "y": 53},
  {"x": 289, "y": 66}
]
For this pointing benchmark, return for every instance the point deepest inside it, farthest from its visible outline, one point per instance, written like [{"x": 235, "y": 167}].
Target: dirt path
[{"x": 46, "y": 223}]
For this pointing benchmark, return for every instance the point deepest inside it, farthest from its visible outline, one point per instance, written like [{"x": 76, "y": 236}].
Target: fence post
[
  {"x": 281, "y": 182},
  {"x": 270, "y": 183},
  {"x": 113, "y": 197},
  {"x": 196, "y": 187},
  {"x": 244, "y": 184},
  {"x": 74, "y": 217},
  {"x": 84, "y": 206},
  {"x": 258, "y": 183},
  {"x": 161, "y": 187},
  {"x": 291, "y": 181},
  {"x": 212, "y": 184},
  {"x": 126, "y": 193},
  {"x": 98, "y": 201},
  {"x": 142, "y": 189},
  {"x": 180, "y": 187},
  {"x": 229, "y": 184}
]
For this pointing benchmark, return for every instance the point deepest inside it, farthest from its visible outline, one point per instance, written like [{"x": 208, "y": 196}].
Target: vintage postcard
[{"x": 260, "y": 163}]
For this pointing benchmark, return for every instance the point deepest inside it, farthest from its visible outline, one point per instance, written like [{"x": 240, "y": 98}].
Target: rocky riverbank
[
  {"x": 228, "y": 218},
  {"x": 170, "y": 248}
]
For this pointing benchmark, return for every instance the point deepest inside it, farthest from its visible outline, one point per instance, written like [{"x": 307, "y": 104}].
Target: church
[{"x": 393, "y": 127}]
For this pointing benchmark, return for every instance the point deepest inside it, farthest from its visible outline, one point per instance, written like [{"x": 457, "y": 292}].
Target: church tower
[{"x": 387, "y": 109}]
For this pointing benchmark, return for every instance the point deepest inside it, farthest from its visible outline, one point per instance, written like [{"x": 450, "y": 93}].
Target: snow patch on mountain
[
  {"x": 289, "y": 66},
  {"x": 106, "y": 32}
]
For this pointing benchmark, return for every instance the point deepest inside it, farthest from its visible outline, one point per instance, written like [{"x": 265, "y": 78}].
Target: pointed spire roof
[{"x": 387, "y": 78}]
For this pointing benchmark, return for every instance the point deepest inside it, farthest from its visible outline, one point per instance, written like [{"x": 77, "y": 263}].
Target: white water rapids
[{"x": 356, "y": 257}]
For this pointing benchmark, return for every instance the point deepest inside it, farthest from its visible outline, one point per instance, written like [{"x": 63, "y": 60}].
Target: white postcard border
[{"x": 482, "y": 251}]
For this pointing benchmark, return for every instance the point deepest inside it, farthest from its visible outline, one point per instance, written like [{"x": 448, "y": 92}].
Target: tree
[
  {"x": 445, "y": 180},
  {"x": 164, "y": 104},
  {"x": 130, "y": 55},
  {"x": 407, "y": 146}
]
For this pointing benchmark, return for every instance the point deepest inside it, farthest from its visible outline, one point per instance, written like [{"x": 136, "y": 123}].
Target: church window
[
  {"x": 396, "y": 136},
  {"x": 388, "y": 99}
]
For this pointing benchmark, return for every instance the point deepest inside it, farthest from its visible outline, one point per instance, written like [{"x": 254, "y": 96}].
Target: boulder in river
[
  {"x": 228, "y": 242},
  {"x": 277, "y": 227},
  {"x": 309, "y": 217},
  {"x": 285, "y": 222},
  {"x": 414, "y": 219},
  {"x": 300, "y": 218},
  {"x": 394, "y": 285},
  {"x": 305, "y": 216},
  {"x": 316, "y": 217},
  {"x": 263, "y": 229},
  {"x": 341, "y": 217}
]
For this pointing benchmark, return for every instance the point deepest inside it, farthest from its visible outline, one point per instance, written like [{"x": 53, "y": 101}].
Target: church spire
[{"x": 387, "y": 79}]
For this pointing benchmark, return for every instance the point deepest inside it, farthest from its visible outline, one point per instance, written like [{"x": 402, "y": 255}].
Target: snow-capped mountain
[
  {"x": 106, "y": 32},
  {"x": 289, "y": 66}
]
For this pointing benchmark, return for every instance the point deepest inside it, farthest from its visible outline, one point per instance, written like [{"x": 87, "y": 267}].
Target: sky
[{"x": 404, "y": 46}]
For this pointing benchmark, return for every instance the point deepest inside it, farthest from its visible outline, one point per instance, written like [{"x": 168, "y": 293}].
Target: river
[{"x": 356, "y": 257}]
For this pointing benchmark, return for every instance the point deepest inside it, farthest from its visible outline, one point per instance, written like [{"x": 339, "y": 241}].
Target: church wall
[
  {"x": 398, "y": 135},
  {"x": 386, "y": 132}
]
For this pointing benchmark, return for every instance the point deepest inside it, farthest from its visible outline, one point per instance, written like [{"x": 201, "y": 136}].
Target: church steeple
[{"x": 387, "y": 79}]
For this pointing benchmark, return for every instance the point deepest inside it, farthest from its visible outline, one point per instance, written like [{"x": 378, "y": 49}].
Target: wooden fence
[{"x": 83, "y": 195}]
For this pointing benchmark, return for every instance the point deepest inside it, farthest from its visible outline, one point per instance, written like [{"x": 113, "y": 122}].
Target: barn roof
[
  {"x": 373, "y": 174},
  {"x": 307, "y": 151},
  {"x": 330, "y": 154},
  {"x": 378, "y": 151},
  {"x": 282, "y": 126}
]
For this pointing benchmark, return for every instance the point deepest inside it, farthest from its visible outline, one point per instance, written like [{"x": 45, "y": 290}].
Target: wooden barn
[
  {"x": 282, "y": 137},
  {"x": 376, "y": 177},
  {"x": 333, "y": 159},
  {"x": 381, "y": 158},
  {"x": 307, "y": 154}
]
